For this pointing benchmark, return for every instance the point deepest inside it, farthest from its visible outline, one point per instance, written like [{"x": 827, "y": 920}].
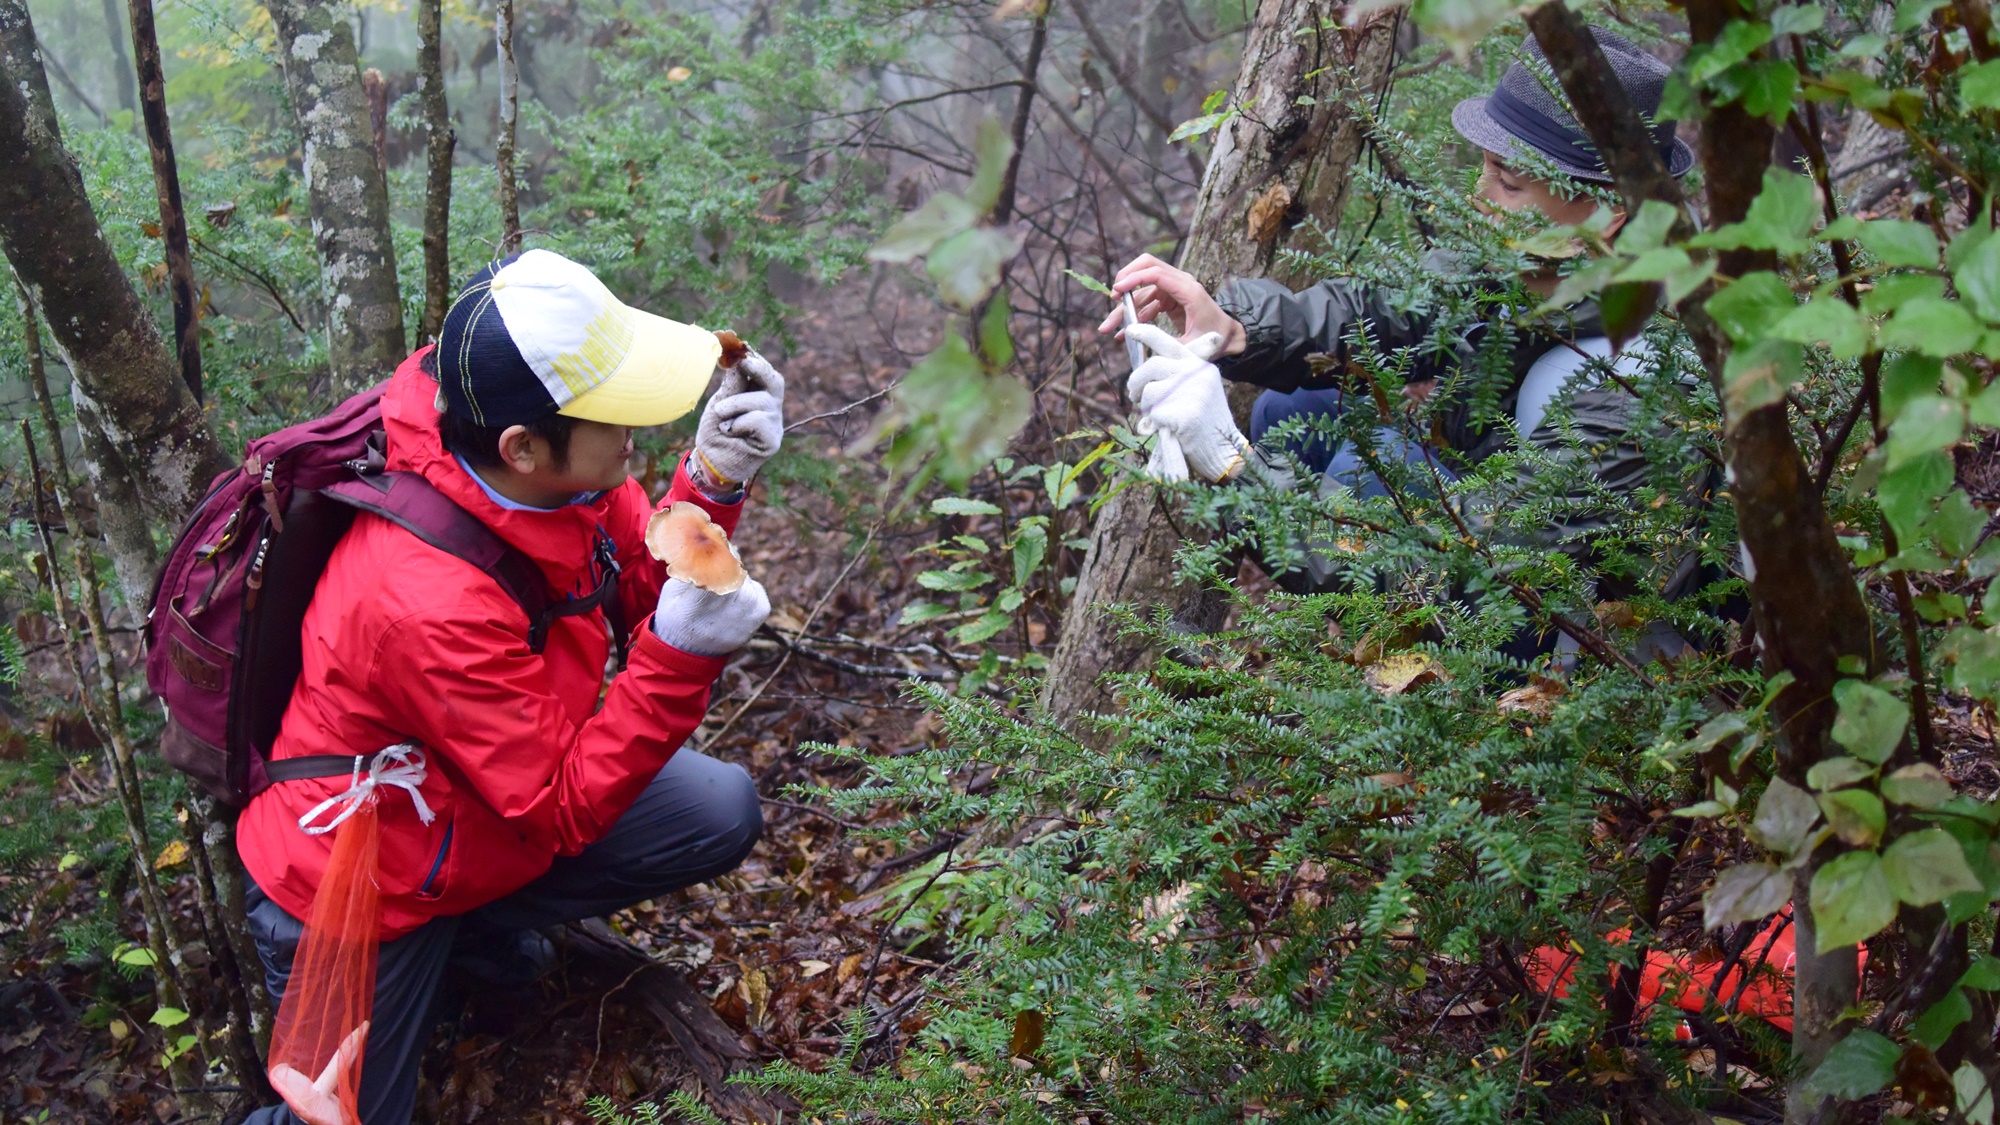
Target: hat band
[{"x": 1559, "y": 142}]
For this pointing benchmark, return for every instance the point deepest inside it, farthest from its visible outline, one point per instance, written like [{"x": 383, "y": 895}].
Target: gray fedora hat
[{"x": 1527, "y": 112}]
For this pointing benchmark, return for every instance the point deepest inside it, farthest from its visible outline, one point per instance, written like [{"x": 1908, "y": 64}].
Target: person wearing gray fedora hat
[{"x": 1258, "y": 331}]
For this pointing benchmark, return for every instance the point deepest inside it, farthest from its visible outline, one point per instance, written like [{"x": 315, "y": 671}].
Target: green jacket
[{"x": 1283, "y": 328}]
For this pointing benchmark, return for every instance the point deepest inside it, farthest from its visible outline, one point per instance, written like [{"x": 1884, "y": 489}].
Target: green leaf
[
  {"x": 1092, "y": 284},
  {"x": 1029, "y": 549},
  {"x": 1460, "y": 23},
  {"x": 1908, "y": 493},
  {"x": 922, "y": 611},
  {"x": 966, "y": 266},
  {"x": 953, "y": 581},
  {"x": 1986, "y": 405},
  {"x": 1977, "y": 275},
  {"x": 1899, "y": 242},
  {"x": 1709, "y": 736},
  {"x": 915, "y": 234},
  {"x": 1781, "y": 218},
  {"x": 1759, "y": 375},
  {"x": 168, "y": 1017},
  {"x": 1748, "y": 306},
  {"x": 1855, "y": 815},
  {"x": 1973, "y": 656},
  {"x": 1921, "y": 786},
  {"x": 985, "y": 627},
  {"x": 995, "y": 345},
  {"x": 1851, "y": 900},
  {"x": 1827, "y": 321},
  {"x": 1984, "y": 975},
  {"x": 1797, "y": 19},
  {"x": 1625, "y": 307},
  {"x": 994, "y": 148},
  {"x": 1870, "y": 722},
  {"x": 1863, "y": 46},
  {"x": 1979, "y": 86},
  {"x": 1745, "y": 893},
  {"x": 1837, "y": 773},
  {"x": 1010, "y": 599},
  {"x": 1582, "y": 283},
  {"x": 1975, "y": 1097},
  {"x": 138, "y": 955},
  {"x": 1936, "y": 1024},
  {"x": 1767, "y": 88},
  {"x": 1905, "y": 377},
  {"x": 1732, "y": 46},
  {"x": 1785, "y": 817},
  {"x": 1925, "y": 426},
  {"x": 1927, "y": 867},
  {"x": 1911, "y": 14},
  {"x": 1956, "y": 524},
  {"x": 1214, "y": 101},
  {"x": 1688, "y": 278},
  {"x": 1931, "y": 325},
  {"x": 963, "y": 506},
  {"x": 1647, "y": 230},
  {"x": 1858, "y": 1065},
  {"x": 1196, "y": 126}
]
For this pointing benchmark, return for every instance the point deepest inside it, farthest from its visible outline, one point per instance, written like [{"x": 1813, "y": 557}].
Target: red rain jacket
[{"x": 404, "y": 642}]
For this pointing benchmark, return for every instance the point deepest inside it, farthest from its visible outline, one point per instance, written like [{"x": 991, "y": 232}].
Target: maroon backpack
[{"x": 222, "y": 637}]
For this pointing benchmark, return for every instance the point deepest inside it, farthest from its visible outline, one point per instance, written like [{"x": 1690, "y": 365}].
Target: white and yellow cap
[{"x": 539, "y": 334}]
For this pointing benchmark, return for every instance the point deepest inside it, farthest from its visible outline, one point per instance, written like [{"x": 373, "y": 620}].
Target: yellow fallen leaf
[
  {"x": 755, "y": 989},
  {"x": 1536, "y": 700},
  {"x": 119, "y": 1029},
  {"x": 1402, "y": 672},
  {"x": 679, "y": 74},
  {"x": 811, "y": 969},
  {"x": 849, "y": 965},
  {"x": 173, "y": 855}
]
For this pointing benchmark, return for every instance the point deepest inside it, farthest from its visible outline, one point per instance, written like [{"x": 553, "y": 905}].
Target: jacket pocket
[{"x": 434, "y": 883}]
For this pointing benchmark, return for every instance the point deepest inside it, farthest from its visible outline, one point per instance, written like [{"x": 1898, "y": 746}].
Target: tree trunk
[
  {"x": 128, "y": 94},
  {"x": 167, "y": 183},
  {"x": 149, "y": 449},
  {"x": 503, "y": 145},
  {"x": 348, "y": 194},
  {"x": 437, "y": 185},
  {"x": 1275, "y": 148}
]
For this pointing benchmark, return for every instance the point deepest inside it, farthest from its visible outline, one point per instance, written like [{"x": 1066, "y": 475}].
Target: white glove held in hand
[
  {"x": 744, "y": 422},
  {"x": 695, "y": 621},
  {"x": 1180, "y": 398}
]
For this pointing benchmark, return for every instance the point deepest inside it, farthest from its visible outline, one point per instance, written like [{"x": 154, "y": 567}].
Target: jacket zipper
[{"x": 437, "y": 865}]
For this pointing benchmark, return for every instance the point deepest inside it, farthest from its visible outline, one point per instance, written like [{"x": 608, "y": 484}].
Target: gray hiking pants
[{"x": 698, "y": 819}]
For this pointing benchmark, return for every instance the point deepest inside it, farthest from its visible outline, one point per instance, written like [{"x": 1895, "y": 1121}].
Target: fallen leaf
[
  {"x": 1535, "y": 701},
  {"x": 1008, "y": 9},
  {"x": 849, "y": 965},
  {"x": 1029, "y": 1027},
  {"x": 119, "y": 1029},
  {"x": 173, "y": 855},
  {"x": 1403, "y": 672},
  {"x": 811, "y": 969},
  {"x": 1617, "y": 615},
  {"x": 679, "y": 74},
  {"x": 755, "y": 990}
]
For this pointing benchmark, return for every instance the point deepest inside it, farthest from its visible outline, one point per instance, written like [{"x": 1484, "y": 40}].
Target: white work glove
[
  {"x": 1180, "y": 398},
  {"x": 744, "y": 422},
  {"x": 695, "y": 621}
]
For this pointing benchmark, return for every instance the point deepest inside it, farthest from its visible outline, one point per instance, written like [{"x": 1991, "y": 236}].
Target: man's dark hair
[{"x": 480, "y": 445}]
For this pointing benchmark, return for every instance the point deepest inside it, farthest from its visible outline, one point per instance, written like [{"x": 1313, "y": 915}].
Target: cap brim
[
  {"x": 663, "y": 375},
  {"x": 1473, "y": 123}
]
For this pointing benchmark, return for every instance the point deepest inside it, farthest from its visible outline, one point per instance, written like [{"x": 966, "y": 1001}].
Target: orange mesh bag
[{"x": 322, "y": 1027}]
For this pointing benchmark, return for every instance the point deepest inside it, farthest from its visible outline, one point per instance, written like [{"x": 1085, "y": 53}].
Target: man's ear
[{"x": 517, "y": 449}]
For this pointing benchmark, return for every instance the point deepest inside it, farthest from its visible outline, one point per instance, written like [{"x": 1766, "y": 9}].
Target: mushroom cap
[
  {"x": 694, "y": 548},
  {"x": 733, "y": 347}
]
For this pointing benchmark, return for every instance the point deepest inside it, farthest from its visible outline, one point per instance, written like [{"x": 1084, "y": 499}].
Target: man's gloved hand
[
  {"x": 1180, "y": 397},
  {"x": 744, "y": 423},
  {"x": 695, "y": 621}
]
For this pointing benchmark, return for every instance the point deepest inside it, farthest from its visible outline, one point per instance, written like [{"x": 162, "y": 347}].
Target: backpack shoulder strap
[{"x": 415, "y": 505}]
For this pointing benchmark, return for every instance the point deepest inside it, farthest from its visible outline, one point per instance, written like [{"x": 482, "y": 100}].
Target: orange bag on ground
[
  {"x": 1691, "y": 985},
  {"x": 321, "y": 1031}
]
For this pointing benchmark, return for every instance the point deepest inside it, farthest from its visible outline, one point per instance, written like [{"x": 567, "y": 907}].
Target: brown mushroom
[
  {"x": 694, "y": 548},
  {"x": 733, "y": 348}
]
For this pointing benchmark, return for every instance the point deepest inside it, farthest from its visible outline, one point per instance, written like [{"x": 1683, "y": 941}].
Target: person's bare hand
[{"x": 1158, "y": 288}]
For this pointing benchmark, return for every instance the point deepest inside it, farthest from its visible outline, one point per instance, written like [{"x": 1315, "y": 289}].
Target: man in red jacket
[{"x": 551, "y": 796}]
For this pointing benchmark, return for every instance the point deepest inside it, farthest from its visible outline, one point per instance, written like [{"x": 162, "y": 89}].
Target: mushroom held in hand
[
  {"x": 694, "y": 548},
  {"x": 733, "y": 348}
]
